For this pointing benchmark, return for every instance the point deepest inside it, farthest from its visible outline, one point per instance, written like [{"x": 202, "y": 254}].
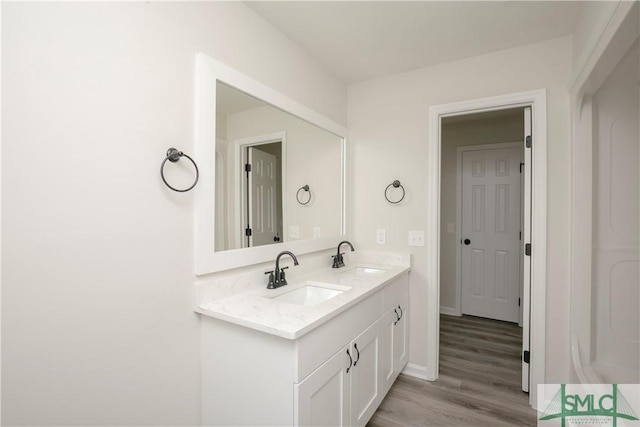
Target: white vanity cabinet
[
  {"x": 345, "y": 390},
  {"x": 324, "y": 397},
  {"x": 393, "y": 330},
  {"x": 333, "y": 375}
]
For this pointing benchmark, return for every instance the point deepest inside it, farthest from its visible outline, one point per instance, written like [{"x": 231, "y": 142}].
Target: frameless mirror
[{"x": 271, "y": 172}]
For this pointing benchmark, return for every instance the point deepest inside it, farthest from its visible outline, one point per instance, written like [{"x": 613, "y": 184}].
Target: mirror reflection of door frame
[{"x": 239, "y": 178}]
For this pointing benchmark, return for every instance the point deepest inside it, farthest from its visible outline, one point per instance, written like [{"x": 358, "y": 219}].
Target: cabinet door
[
  {"x": 386, "y": 350},
  {"x": 366, "y": 378},
  {"x": 323, "y": 399},
  {"x": 400, "y": 339}
]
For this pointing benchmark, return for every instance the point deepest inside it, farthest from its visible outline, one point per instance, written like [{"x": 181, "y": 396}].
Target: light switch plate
[
  {"x": 416, "y": 238},
  {"x": 381, "y": 236}
]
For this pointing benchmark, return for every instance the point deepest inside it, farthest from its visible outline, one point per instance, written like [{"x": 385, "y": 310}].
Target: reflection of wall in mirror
[
  {"x": 221, "y": 203},
  {"x": 314, "y": 158}
]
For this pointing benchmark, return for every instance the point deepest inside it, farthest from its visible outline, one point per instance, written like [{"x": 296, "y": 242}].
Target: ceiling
[{"x": 362, "y": 40}]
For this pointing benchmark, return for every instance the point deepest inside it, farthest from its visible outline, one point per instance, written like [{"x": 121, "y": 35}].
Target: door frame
[
  {"x": 240, "y": 145},
  {"x": 460, "y": 150},
  {"x": 537, "y": 100}
]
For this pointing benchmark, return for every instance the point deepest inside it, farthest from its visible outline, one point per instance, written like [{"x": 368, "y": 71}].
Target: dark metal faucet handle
[
  {"x": 336, "y": 261},
  {"x": 270, "y": 285}
]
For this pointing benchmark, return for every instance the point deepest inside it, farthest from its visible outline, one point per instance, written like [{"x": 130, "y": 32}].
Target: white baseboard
[
  {"x": 416, "y": 371},
  {"x": 449, "y": 311}
]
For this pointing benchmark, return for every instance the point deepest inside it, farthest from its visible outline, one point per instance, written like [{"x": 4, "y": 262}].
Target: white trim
[
  {"x": 208, "y": 72},
  {"x": 460, "y": 150},
  {"x": 416, "y": 371},
  {"x": 526, "y": 238},
  {"x": 538, "y": 100},
  {"x": 450, "y": 311}
]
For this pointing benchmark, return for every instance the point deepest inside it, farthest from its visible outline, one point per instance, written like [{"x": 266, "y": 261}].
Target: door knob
[{"x": 467, "y": 241}]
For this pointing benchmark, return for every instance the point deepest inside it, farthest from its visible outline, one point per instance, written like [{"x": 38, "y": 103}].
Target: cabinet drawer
[
  {"x": 396, "y": 293},
  {"x": 320, "y": 344}
]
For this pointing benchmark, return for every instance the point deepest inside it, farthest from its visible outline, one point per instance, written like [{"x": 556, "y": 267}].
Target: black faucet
[
  {"x": 338, "y": 261},
  {"x": 277, "y": 277}
]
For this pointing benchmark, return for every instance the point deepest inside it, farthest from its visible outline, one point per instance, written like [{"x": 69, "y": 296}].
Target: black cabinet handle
[
  {"x": 350, "y": 361},
  {"x": 467, "y": 242},
  {"x": 356, "y": 347},
  {"x": 401, "y": 313},
  {"x": 395, "y": 322}
]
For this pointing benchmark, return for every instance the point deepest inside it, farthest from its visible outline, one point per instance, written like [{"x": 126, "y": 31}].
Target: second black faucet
[{"x": 338, "y": 261}]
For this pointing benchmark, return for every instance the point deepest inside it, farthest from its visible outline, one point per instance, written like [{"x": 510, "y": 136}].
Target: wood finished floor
[{"x": 479, "y": 382}]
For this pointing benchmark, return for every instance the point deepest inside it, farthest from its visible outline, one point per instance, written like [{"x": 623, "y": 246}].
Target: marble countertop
[{"x": 256, "y": 308}]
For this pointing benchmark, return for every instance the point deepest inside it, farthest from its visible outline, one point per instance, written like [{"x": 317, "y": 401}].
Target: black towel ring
[
  {"x": 305, "y": 188},
  {"x": 394, "y": 184},
  {"x": 173, "y": 156}
]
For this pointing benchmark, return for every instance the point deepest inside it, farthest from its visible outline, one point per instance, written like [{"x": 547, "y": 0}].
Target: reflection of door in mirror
[{"x": 264, "y": 194}]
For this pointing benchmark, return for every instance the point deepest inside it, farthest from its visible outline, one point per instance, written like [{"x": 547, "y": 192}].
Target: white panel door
[
  {"x": 323, "y": 398},
  {"x": 491, "y": 233},
  {"x": 262, "y": 182},
  {"x": 400, "y": 344},
  {"x": 366, "y": 378},
  {"x": 386, "y": 326}
]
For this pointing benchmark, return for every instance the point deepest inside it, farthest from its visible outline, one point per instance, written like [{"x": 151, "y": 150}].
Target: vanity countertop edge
[{"x": 256, "y": 308}]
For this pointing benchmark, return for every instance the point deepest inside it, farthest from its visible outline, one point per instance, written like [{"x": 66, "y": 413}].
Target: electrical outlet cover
[{"x": 416, "y": 238}]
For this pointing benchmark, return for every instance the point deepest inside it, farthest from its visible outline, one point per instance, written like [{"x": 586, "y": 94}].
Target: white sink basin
[{"x": 311, "y": 294}]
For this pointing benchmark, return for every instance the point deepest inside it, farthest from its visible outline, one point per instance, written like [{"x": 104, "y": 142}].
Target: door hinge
[
  {"x": 527, "y": 141},
  {"x": 526, "y": 356},
  {"x": 518, "y": 302},
  {"x": 521, "y": 165},
  {"x": 520, "y": 235},
  {"x": 247, "y": 232},
  {"x": 247, "y": 167},
  {"x": 527, "y": 249}
]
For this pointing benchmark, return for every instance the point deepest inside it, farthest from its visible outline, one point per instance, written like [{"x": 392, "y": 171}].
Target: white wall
[
  {"x": 489, "y": 130},
  {"x": 388, "y": 127},
  {"x": 97, "y": 253}
]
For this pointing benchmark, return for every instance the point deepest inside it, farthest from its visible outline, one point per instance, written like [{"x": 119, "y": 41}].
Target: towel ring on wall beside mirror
[
  {"x": 394, "y": 184},
  {"x": 173, "y": 156},
  {"x": 306, "y": 189}
]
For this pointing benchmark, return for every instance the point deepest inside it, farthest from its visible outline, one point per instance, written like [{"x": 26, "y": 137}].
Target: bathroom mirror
[{"x": 272, "y": 172}]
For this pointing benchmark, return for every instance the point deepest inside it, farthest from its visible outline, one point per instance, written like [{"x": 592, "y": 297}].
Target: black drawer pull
[{"x": 356, "y": 347}]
